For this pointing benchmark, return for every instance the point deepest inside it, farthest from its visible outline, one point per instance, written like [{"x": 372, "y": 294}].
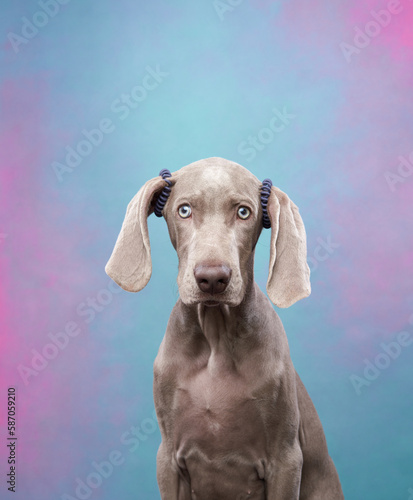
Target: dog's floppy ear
[
  {"x": 130, "y": 264},
  {"x": 289, "y": 274}
]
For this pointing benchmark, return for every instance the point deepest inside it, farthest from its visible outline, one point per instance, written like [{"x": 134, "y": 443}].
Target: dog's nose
[{"x": 212, "y": 279}]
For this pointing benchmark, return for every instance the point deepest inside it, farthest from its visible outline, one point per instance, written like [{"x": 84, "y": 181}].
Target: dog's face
[
  {"x": 214, "y": 221},
  {"x": 214, "y": 218}
]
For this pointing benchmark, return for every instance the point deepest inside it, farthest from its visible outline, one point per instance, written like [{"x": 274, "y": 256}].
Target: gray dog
[{"x": 236, "y": 420}]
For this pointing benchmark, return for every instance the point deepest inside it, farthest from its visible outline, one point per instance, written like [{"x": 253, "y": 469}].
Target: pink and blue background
[{"x": 353, "y": 119}]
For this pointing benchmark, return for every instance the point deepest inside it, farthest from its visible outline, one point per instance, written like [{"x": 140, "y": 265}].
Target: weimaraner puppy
[{"x": 236, "y": 420}]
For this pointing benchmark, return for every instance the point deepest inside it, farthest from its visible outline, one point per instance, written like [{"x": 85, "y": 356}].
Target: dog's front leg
[
  {"x": 283, "y": 475},
  {"x": 171, "y": 485}
]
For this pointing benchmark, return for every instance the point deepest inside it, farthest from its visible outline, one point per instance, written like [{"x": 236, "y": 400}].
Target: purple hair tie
[
  {"x": 265, "y": 194},
  {"x": 166, "y": 191}
]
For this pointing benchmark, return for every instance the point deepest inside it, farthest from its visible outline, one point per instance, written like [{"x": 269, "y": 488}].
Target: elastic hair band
[
  {"x": 265, "y": 194},
  {"x": 166, "y": 191}
]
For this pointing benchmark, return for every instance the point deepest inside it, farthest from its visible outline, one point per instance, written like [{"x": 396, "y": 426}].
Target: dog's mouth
[
  {"x": 217, "y": 300},
  {"x": 211, "y": 303}
]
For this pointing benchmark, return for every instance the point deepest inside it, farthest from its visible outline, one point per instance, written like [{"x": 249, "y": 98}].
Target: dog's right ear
[
  {"x": 130, "y": 264},
  {"x": 289, "y": 275}
]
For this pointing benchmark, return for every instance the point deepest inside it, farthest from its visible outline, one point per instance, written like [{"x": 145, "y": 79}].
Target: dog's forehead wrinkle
[
  {"x": 194, "y": 190},
  {"x": 217, "y": 171},
  {"x": 215, "y": 177}
]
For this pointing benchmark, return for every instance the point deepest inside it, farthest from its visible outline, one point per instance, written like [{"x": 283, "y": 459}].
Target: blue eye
[
  {"x": 184, "y": 211},
  {"x": 243, "y": 213}
]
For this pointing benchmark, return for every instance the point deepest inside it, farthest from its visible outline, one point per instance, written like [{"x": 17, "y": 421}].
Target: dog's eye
[
  {"x": 243, "y": 213},
  {"x": 184, "y": 211}
]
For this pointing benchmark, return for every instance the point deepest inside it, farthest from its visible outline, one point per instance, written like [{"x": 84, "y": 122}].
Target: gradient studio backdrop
[{"x": 212, "y": 75}]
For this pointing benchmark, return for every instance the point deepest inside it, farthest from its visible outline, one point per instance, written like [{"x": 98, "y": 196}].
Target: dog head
[{"x": 214, "y": 218}]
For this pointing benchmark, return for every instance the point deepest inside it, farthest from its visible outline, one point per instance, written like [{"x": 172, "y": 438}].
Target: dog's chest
[
  {"x": 217, "y": 408},
  {"x": 219, "y": 434}
]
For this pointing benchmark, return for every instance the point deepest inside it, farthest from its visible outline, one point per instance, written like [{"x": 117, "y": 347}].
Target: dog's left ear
[
  {"x": 289, "y": 274},
  {"x": 130, "y": 264}
]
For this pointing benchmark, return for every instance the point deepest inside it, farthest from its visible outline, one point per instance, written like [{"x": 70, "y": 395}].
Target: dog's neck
[{"x": 226, "y": 330}]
